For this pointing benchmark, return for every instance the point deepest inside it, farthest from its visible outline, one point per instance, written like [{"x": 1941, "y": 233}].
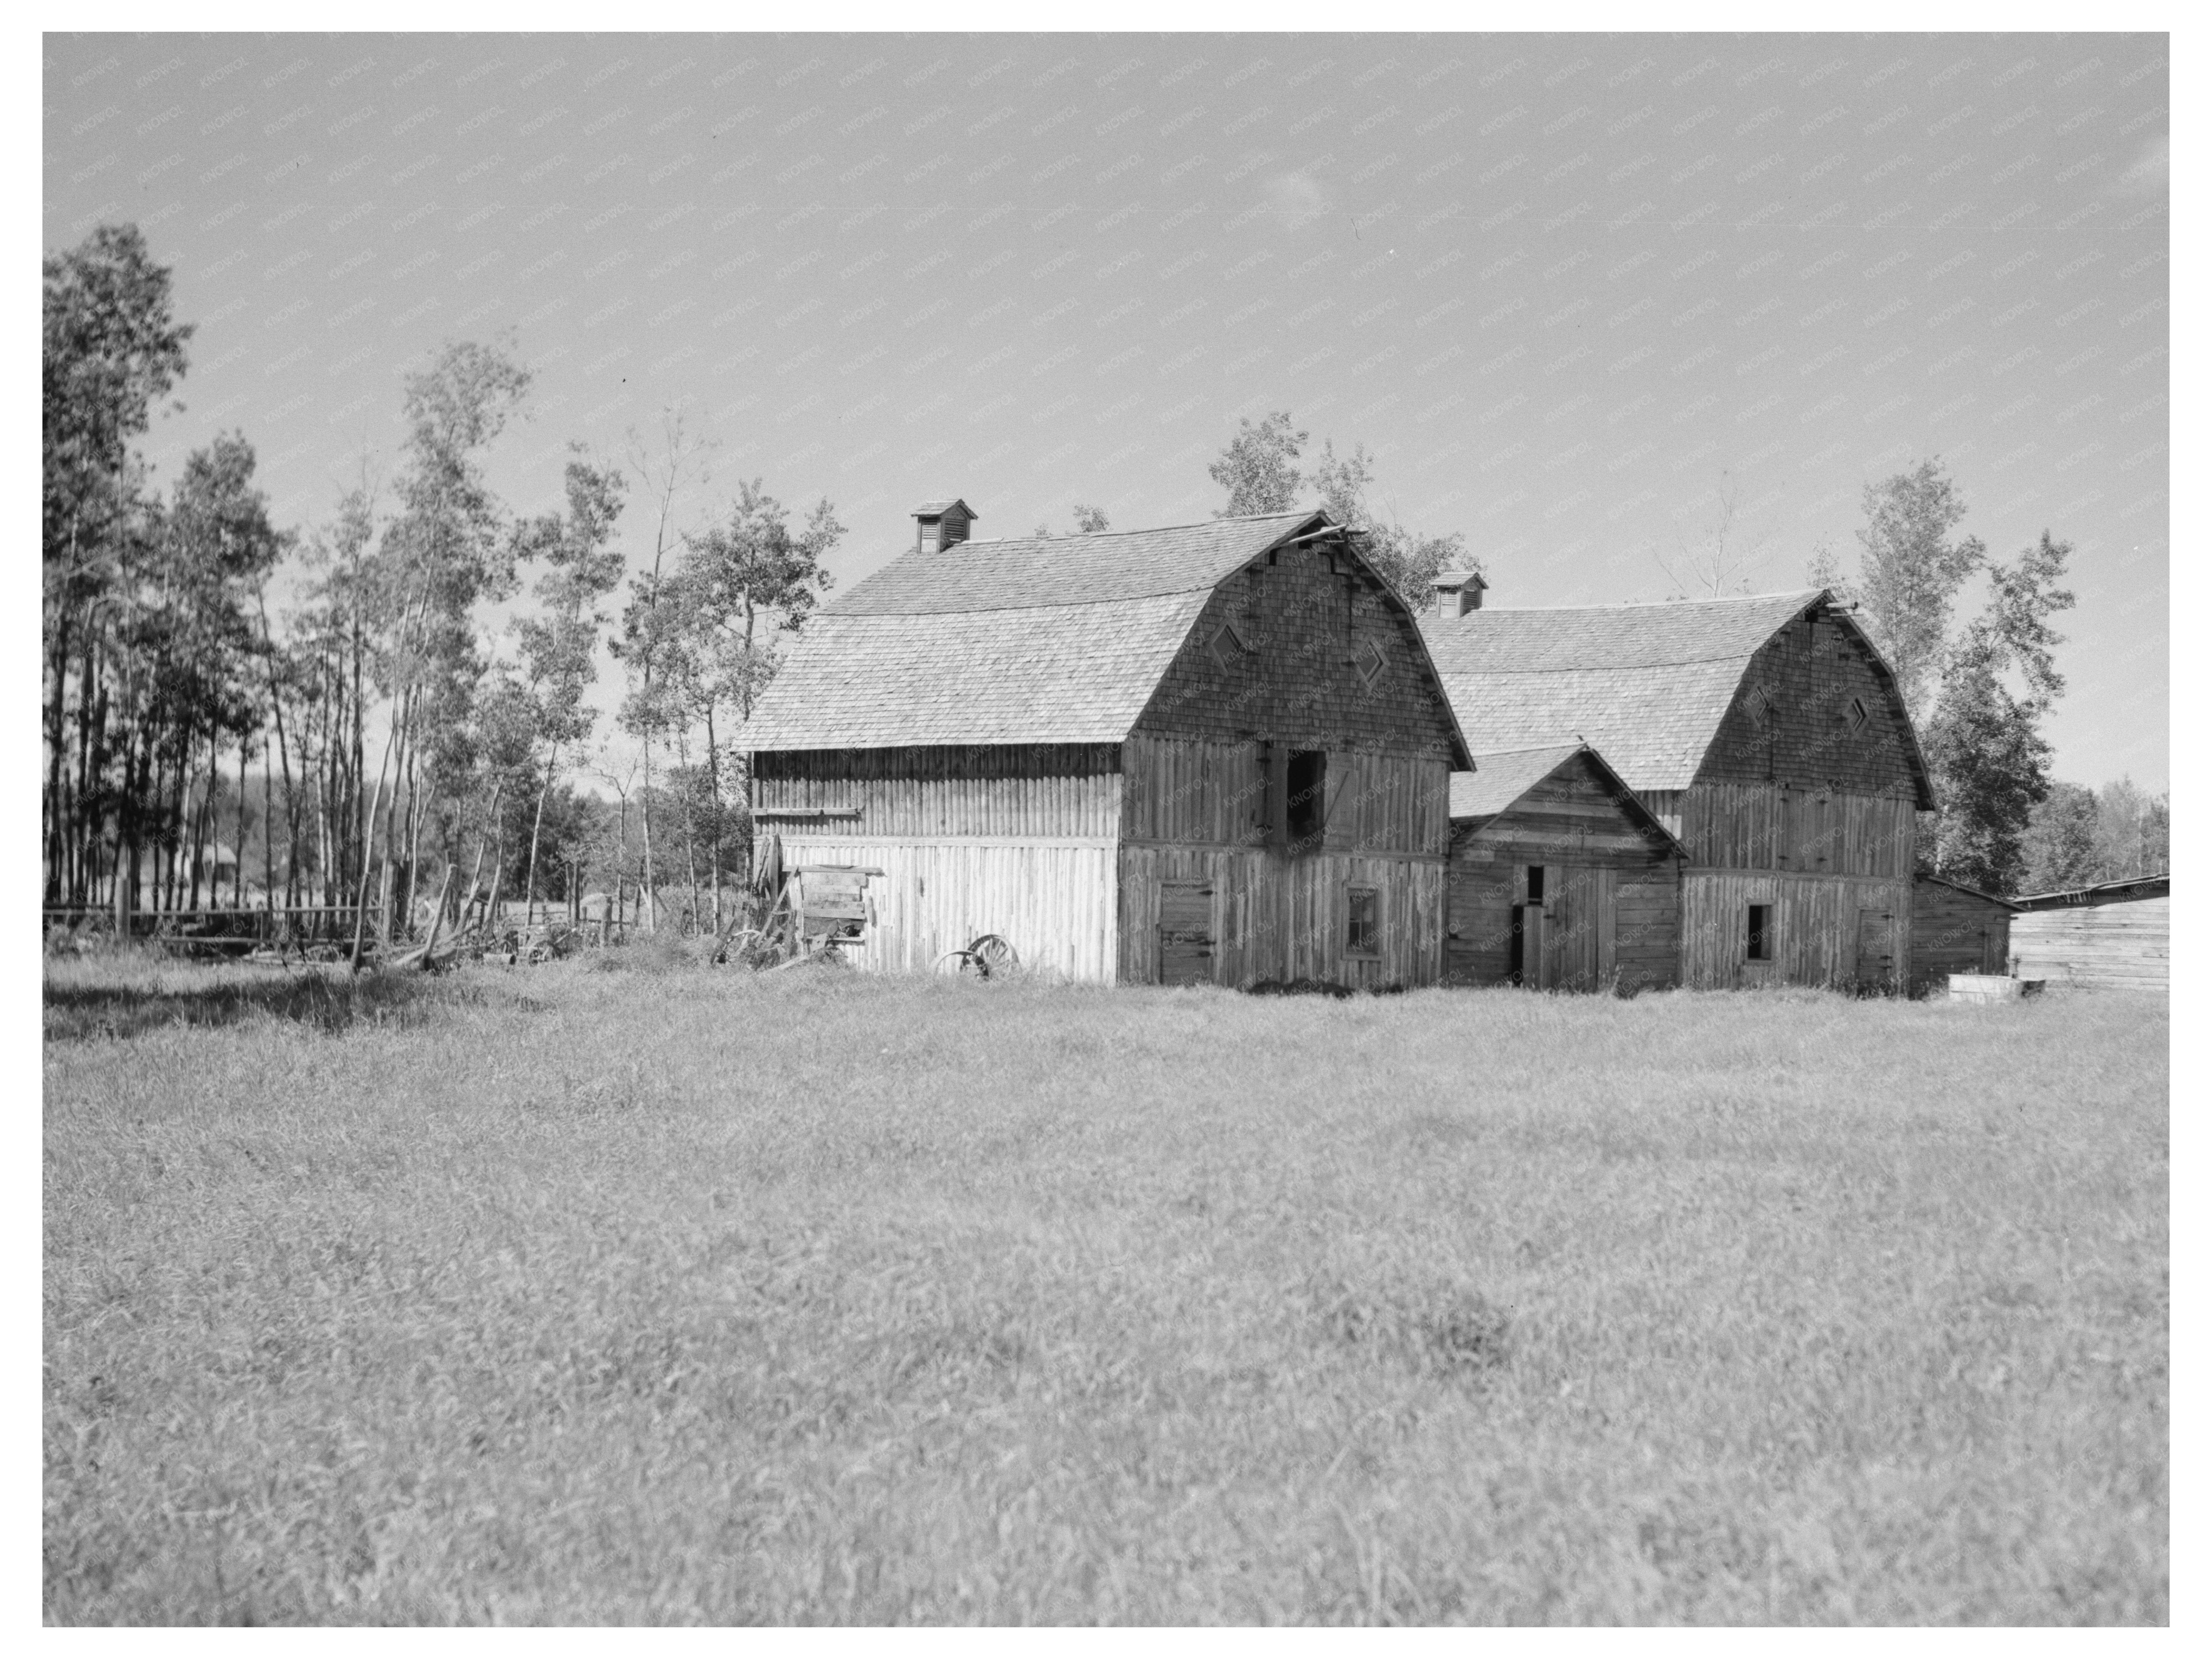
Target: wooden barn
[
  {"x": 1211, "y": 753},
  {"x": 1764, "y": 732},
  {"x": 2116, "y": 935},
  {"x": 1561, "y": 879},
  {"x": 1956, "y": 930}
]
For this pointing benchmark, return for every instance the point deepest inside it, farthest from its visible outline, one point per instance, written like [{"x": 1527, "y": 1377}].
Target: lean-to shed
[
  {"x": 2116, "y": 934},
  {"x": 1765, "y": 732},
  {"x": 1561, "y": 879},
  {"x": 1957, "y": 929},
  {"x": 1209, "y": 753}
]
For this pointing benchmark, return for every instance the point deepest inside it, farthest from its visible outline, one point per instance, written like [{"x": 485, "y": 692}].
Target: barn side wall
[
  {"x": 1845, "y": 931},
  {"x": 2125, "y": 946},
  {"x": 1303, "y": 650},
  {"x": 1956, "y": 933},
  {"x": 1612, "y": 906},
  {"x": 1015, "y": 840},
  {"x": 1268, "y": 917}
]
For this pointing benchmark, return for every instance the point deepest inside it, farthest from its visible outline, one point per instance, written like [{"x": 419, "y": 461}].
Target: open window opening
[
  {"x": 1304, "y": 779},
  {"x": 1363, "y": 924},
  {"x": 1536, "y": 885},
  {"x": 1758, "y": 934}
]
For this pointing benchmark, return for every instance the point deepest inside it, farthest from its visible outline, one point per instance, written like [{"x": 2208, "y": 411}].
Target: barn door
[
  {"x": 1877, "y": 960},
  {"x": 1186, "y": 932}
]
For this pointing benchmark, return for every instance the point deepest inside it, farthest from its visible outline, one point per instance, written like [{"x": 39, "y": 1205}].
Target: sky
[{"x": 1567, "y": 290}]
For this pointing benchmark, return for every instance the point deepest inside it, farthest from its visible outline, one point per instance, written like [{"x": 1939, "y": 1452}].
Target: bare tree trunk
[
  {"x": 361, "y": 899},
  {"x": 538, "y": 822}
]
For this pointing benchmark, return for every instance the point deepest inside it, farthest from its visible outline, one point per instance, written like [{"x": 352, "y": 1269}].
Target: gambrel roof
[
  {"x": 1033, "y": 639},
  {"x": 1500, "y": 780},
  {"x": 1646, "y": 685}
]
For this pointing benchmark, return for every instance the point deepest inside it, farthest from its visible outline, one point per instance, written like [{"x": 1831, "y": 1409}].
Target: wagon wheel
[{"x": 992, "y": 955}]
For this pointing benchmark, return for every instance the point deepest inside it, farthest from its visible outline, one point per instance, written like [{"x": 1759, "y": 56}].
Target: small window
[
  {"x": 1303, "y": 782},
  {"x": 1226, "y": 644},
  {"x": 1372, "y": 662},
  {"x": 1536, "y": 884},
  {"x": 1855, "y": 714},
  {"x": 1363, "y": 927},
  {"x": 1758, "y": 934}
]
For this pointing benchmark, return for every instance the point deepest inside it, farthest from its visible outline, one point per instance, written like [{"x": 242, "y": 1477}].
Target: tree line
[{"x": 379, "y": 739}]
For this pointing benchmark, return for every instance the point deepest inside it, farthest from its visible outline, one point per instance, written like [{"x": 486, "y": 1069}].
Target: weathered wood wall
[
  {"x": 1799, "y": 731},
  {"x": 1273, "y": 917},
  {"x": 1818, "y": 923},
  {"x": 1053, "y": 902},
  {"x": 1811, "y": 829},
  {"x": 2125, "y": 946},
  {"x": 1217, "y": 793},
  {"x": 1612, "y": 893},
  {"x": 1956, "y": 933},
  {"x": 1315, "y": 655},
  {"x": 1795, "y": 785},
  {"x": 1043, "y": 790}
]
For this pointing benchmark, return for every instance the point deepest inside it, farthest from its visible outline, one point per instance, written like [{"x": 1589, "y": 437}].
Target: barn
[
  {"x": 1207, "y": 753},
  {"x": 1765, "y": 732},
  {"x": 2116, "y": 935},
  {"x": 1561, "y": 879},
  {"x": 1957, "y": 929}
]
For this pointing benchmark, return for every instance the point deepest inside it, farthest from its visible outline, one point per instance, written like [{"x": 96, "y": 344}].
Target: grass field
[{"x": 569, "y": 1296}]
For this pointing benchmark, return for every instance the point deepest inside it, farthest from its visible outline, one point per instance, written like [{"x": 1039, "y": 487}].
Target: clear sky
[{"x": 1558, "y": 285}]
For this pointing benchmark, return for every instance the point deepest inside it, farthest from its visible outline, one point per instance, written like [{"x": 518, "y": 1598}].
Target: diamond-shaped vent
[
  {"x": 1855, "y": 714},
  {"x": 1371, "y": 663}
]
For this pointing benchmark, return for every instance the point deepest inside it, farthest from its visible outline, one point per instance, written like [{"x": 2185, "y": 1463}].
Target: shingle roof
[
  {"x": 936, "y": 510},
  {"x": 1645, "y": 684},
  {"x": 1502, "y": 778},
  {"x": 1059, "y": 639}
]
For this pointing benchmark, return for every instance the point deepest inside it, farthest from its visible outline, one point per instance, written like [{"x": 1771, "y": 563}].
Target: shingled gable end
[
  {"x": 1212, "y": 752},
  {"x": 1765, "y": 732}
]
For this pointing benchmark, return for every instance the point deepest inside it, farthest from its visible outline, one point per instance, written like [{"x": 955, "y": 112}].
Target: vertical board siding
[
  {"x": 1277, "y": 917},
  {"x": 1041, "y": 790},
  {"x": 1956, "y": 933},
  {"x": 1192, "y": 790},
  {"x": 1611, "y": 916},
  {"x": 2125, "y": 946},
  {"x": 1054, "y": 904},
  {"x": 1816, "y": 927}
]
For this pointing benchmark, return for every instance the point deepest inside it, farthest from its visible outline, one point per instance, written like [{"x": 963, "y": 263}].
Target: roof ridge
[
  {"x": 1640, "y": 604},
  {"x": 1144, "y": 530}
]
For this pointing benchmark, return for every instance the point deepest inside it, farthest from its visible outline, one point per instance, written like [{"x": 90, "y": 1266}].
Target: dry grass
[{"x": 569, "y": 1296}]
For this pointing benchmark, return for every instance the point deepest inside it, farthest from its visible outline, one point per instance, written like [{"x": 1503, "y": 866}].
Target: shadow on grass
[{"x": 328, "y": 1002}]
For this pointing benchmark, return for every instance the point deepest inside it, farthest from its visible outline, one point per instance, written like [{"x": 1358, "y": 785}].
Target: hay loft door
[{"x": 1186, "y": 932}]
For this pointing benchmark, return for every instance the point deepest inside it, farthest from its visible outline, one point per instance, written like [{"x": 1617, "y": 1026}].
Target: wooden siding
[
  {"x": 1317, "y": 657},
  {"x": 1053, "y": 903},
  {"x": 1799, "y": 732},
  {"x": 1956, "y": 933},
  {"x": 1611, "y": 910},
  {"x": 1277, "y": 917},
  {"x": 1187, "y": 790},
  {"x": 1770, "y": 826},
  {"x": 1042, "y": 791},
  {"x": 2122, "y": 946},
  {"x": 1816, "y": 927}
]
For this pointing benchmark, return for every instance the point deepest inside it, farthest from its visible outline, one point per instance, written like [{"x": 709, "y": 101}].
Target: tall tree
[
  {"x": 110, "y": 348},
  {"x": 1717, "y": 556},
  {"x": 2060, "y": 848},
  {"x": 1985, "y": 745},
  {"x": 652, "y": 625},
  {"x": 561, "y": 644},
  {"x": 1911, "y": 569},
  {"x": 1259, "y": 468},
  {"x": 743, "y": 584}
]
